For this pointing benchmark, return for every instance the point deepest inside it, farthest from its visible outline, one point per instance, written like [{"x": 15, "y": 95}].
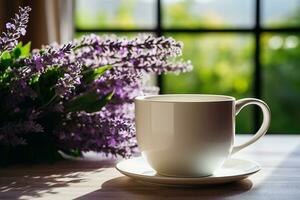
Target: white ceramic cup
[{"x": 191, "y": 135}]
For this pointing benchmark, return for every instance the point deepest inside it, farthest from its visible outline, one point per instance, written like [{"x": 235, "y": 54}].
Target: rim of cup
[{"x": 185, "y": 98}]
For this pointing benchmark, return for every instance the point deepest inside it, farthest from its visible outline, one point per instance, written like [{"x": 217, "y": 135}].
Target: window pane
[
  {"x": 208, "y": 13},
  {"x": 282, "y": 80},
  {"x": 280, "y": 13},
  {"x": 222, "y": 65},
  {"x": 115, "y": 14}
]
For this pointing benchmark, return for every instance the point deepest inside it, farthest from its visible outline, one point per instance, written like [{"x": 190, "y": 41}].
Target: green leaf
[
  {"x": 5, "y": 55},
  {"x": 20, "y": 44},
  {"x": 34, "y": 79},
  {"x": 44, "y": 84},
  {"x": 5, "y": 59},
  {"x": 93, "y": 74},
  {"x": 25, "y": 50},
  {"x": 88, "y": 102},
  {"x": 16, "y": 53},
  {"x": 21, "y": 51}
]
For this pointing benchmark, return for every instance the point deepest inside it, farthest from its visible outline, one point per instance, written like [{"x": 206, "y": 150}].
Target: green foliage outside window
[{"x": 224, "y": 62}]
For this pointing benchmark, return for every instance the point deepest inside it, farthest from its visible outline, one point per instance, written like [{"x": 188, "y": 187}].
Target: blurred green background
[{"x": 223, "y": 62}]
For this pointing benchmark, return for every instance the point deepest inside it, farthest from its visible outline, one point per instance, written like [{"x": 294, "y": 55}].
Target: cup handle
[{"x": 265, "y": 124}]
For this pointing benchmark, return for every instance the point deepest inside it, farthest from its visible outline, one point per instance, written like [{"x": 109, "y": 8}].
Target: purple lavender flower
[
  {"x": 131, "y": 58},
  {"x": 11, "y": 132},
  {"x": 98, "y": 132},
  {"x": 10, "y": 26},
  {"x": 45, "y": 58},
  {"x": 39, "y": 63},
  {"x": 15, "y": 29},
  {"x": 42, "y": 86},
  {"x": 67, "y": 84}
]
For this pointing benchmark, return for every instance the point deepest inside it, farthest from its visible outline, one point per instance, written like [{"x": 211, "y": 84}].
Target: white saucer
[{"x": 233, "y": 170}]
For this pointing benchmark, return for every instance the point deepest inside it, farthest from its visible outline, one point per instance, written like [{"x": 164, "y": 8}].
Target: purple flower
[
  {"x": 67, "y": 84},
  {"x": 15, "y": 29},
  {"x": 23, "y": 31},
  {"x": 11, "y": 133},
  {"x": 40, "y": 62},
  {"x": 32, "y": 99},
  {"x": 10, "y": 26},
  {"x": 37, "y": 62}
]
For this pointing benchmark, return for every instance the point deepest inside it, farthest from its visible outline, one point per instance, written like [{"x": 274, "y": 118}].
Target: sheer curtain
[{"x": 50, "y": 20}]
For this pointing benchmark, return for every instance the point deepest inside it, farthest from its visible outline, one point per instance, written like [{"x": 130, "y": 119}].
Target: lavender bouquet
[{"x": 75, "y": 97}]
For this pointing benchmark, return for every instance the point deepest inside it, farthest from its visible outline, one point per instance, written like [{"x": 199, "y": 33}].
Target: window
[{"x": 246, "y": 48}]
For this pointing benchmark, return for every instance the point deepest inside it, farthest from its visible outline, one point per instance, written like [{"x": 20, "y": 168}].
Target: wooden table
[{"x": 278, "y": 179}]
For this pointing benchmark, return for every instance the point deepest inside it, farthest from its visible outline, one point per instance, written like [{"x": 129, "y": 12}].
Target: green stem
[{"x": 49, "y": 102}]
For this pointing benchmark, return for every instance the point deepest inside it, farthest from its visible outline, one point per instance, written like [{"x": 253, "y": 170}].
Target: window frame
[{"x": 257, "y": 31}]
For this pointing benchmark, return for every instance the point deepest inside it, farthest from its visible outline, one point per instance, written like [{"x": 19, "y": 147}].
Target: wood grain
[{"x": 279, "y": 178}]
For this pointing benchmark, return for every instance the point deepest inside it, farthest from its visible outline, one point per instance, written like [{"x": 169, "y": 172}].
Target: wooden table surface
[{"x": 278, "y": 179}]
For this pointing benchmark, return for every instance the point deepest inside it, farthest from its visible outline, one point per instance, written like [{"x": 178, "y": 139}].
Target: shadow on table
[
  {"x": 126, "y": 188},
  {"x": 34, "y": 181},
  {"x": 282, "y": 179}
]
